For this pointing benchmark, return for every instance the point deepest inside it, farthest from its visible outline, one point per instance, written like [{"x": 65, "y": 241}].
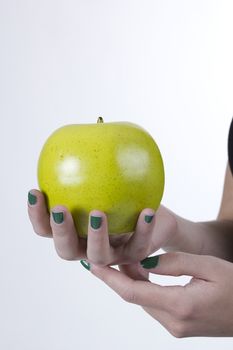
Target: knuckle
[
  {"x": 99, "y": 262},
  {"x": 36, "y": 215},
  {"x": 98, "y": 258},
  {"x": 178, "y": 330},
  {"x": 42, "y": 233},
  {"x": 184, "y": 312},
  {"x": 183, "y": 309},
  {"x": 128, "y": 294},
  {"x": 65, "y": 256}
]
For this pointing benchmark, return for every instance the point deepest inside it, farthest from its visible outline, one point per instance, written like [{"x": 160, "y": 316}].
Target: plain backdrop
[{"x": 165, "y": 65}]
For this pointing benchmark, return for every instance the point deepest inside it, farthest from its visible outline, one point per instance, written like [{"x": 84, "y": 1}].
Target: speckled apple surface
[{"x": 115, "y": 167}]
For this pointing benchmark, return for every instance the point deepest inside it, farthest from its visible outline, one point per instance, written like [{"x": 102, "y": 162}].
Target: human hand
[
  {"x": 99, "y": 248},
  {"x": 203, "y": 307}
]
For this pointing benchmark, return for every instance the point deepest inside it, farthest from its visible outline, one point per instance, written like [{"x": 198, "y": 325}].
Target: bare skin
[
  {"x": 100, "y": 248},
  {"x": 202, "y": 250},
  {"x": 203, "y": 307}
]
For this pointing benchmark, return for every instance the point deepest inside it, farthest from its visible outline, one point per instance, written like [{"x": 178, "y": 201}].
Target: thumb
[{"x": 179, "y": 263}]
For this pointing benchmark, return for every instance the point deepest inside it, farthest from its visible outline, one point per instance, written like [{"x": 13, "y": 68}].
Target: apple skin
[{"x": 114, "y": 167}]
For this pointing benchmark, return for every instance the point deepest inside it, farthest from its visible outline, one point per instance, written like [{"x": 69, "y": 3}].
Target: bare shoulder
[{"x": 226, "y": 207}]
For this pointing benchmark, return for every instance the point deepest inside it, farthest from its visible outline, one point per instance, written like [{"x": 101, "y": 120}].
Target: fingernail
[
  {"x": 150, "y": 263},
  {"x": 85, "y": 264},
  {"x": 148, "y": 218},
  {"x": 96, "y": 222},
  {"x": 32, "y": 198},
  {"x": 58, "y": 217}
]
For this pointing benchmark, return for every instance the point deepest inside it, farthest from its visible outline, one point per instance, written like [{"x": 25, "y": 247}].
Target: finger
[
  {"x": 179, "y": 263},
  {"x": 98, "y": 246},
  {"x": 143, "y": 293},
  {"x": 165, "y": 229},
  {"x": 132, "y": 271},
  {"x": 139, "y": 243},
  {"x": 66, "y": 241},
  {"x": 38, "y": 213},
  {"x": 165, "y": 317}
]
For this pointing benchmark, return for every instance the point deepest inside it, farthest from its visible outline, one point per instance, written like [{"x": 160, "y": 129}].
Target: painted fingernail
[
  {"x": 148, "y": 218},
  {"x": 85, "y": 264},
  {"x": 32, "y": 198},
  {"x": 96, "y": 222},
  {"x": 58, "y": 217},
  {"x": 150, "y": 263}
]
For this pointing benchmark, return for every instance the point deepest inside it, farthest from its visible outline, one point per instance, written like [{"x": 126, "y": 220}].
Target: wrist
[{"x": 186, "y": 236}]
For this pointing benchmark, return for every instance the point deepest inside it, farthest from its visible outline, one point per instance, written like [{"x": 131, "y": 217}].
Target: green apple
[{"x": 115, "y": 167}]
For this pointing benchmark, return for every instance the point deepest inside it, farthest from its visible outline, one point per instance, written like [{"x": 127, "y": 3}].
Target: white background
[{"x": 166, "y": 65}]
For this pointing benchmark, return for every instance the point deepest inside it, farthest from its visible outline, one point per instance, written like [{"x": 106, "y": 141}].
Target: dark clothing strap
[{"x": 230, "y": 147}]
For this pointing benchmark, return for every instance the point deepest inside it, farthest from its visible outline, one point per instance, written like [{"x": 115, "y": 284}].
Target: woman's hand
[
  {"x": 151, "y": 232},
  {"x": 203, "y": 307}
]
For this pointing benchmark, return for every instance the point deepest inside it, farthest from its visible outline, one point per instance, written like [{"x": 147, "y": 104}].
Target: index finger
[{"x": 142, "y": 293}]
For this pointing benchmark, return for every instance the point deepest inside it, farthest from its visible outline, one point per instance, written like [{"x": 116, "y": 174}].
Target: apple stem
[{"x": 100, "y": 120}]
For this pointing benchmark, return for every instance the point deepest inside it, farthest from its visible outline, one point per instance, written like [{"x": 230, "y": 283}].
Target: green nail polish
[
  {"x": 32, "y": 198},
  {"x": 150, "y": 263},
  {"x": 58, "y": 217},
  {"x": 96, "y": 222},
  {"x": 148, "y": 218},
  {"x": 85, "y": 264}
]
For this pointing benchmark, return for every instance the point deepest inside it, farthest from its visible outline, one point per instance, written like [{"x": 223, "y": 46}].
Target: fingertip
[
  {"x": 59, "y": 208},
  {"x": 35, "y": 191},
  {"x": 150, "y": 263},
  {"x": 38, "y": 213},
  {"x": 148, "y": 215},
  {"x": 32, "y": 198},
  {"x": 97, "y": 220},
  {"x": 59, "y": 214},
  {"x": 148, "y": 211},
  {"x": 85, "y": 264},
  {"x": 96, "y": 212},
  {"x": 35, "y": 197}
]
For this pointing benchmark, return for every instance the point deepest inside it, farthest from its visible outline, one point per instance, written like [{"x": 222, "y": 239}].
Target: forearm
[
  {"x": 217, "y": 238},
  {"x": 207, "y": 238}
]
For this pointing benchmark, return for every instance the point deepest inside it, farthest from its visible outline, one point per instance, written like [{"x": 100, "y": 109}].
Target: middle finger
[
  {"x": 99, "y": 251},
  {"x": 65, "y": 237}
]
